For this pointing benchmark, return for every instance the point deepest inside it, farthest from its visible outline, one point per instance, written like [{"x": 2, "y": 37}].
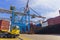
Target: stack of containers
[
  {"x": 50, "y": 21},
  {"x": 57, "y": 20},
  {"x": 53, "y": 21},
  {"x": 4, "y": 25},
  {"x": 32, "y": 28}
]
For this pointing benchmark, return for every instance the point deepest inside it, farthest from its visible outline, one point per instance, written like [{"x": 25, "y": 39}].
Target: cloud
[
  {"x": 47, "y": 15},
  {"x": 43, "y": 7},
  {"x": 46, "y": 7},
  {"x": 52, "y": 14},
  {"x": 46, "y": 3}
]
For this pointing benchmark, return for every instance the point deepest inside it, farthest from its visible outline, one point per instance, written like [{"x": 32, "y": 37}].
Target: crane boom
[
  {"x": 10, "y": 11},
  {"x": 19, "y": 13}
]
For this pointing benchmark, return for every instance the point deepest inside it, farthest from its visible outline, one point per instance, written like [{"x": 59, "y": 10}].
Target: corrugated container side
[
  {"x": 5, "y": 25},
  {"x": 0, "y": 24},
  {"x": 34, "y": 28},
  {"x": 57, "y": 21},
  {"x": 54, "y": 21},
  {"x": 50, "y": 22},
  {"x": 58, "y": 17}
]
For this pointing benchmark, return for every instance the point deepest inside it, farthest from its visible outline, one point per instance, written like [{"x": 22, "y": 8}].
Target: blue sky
[{"x": 47, "y": 8}]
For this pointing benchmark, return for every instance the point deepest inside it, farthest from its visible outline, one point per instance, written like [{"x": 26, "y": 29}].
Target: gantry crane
[{"x": 25, "y": 16}]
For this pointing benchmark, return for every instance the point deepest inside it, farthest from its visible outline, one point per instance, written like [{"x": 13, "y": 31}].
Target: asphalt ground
[{"x": 34, "y": 37}]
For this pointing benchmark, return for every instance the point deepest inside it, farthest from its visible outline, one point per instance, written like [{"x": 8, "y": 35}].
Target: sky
[{"x": 47, "y": 8}]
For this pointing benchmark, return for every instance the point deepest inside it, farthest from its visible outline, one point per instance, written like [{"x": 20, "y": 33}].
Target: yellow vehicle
[{"x": 12, "y": 34}]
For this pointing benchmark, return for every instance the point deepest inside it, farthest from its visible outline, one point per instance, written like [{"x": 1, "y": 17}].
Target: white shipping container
[{"x": 44, "y": 24}]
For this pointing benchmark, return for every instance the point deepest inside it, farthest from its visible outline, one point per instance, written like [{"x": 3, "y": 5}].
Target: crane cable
[{"x": 34, "y": 11}]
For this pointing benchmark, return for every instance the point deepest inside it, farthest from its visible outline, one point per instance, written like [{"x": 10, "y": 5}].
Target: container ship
[{"x": 50, "y": 26}]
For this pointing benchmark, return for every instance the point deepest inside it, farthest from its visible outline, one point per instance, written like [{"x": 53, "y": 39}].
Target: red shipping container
[
  {"x": 57, "y": 20},
  {"x": 33, "y": 28},
  {"x": 54, "y": 21},
  {"x": 0, "y": 22},
  {"x": 4, "y": 25},
  {"x": 50, "y": 21}
]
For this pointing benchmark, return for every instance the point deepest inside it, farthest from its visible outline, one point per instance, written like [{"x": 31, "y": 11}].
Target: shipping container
[
  {"x": 57, "y": 20},
  {"x": 50, "y": 21},
  {"x": 4, "y": 25},
  {"x": 34, "y": 28},
  {"x": 0, "y": 22},
  {"x": 54, "y": 29},
  {"x": 53, "y": 21},
  {"x": 51, "y": 26}
]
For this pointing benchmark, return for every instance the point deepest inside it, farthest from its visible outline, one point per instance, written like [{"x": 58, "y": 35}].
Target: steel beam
[{"x": 19, "y": 13}]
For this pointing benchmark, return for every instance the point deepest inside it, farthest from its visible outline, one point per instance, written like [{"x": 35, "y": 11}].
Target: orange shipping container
[{"x": 4, "y": 25}]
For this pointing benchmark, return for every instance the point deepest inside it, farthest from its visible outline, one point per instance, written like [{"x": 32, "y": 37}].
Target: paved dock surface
[{"x": 34, "y": 37}]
